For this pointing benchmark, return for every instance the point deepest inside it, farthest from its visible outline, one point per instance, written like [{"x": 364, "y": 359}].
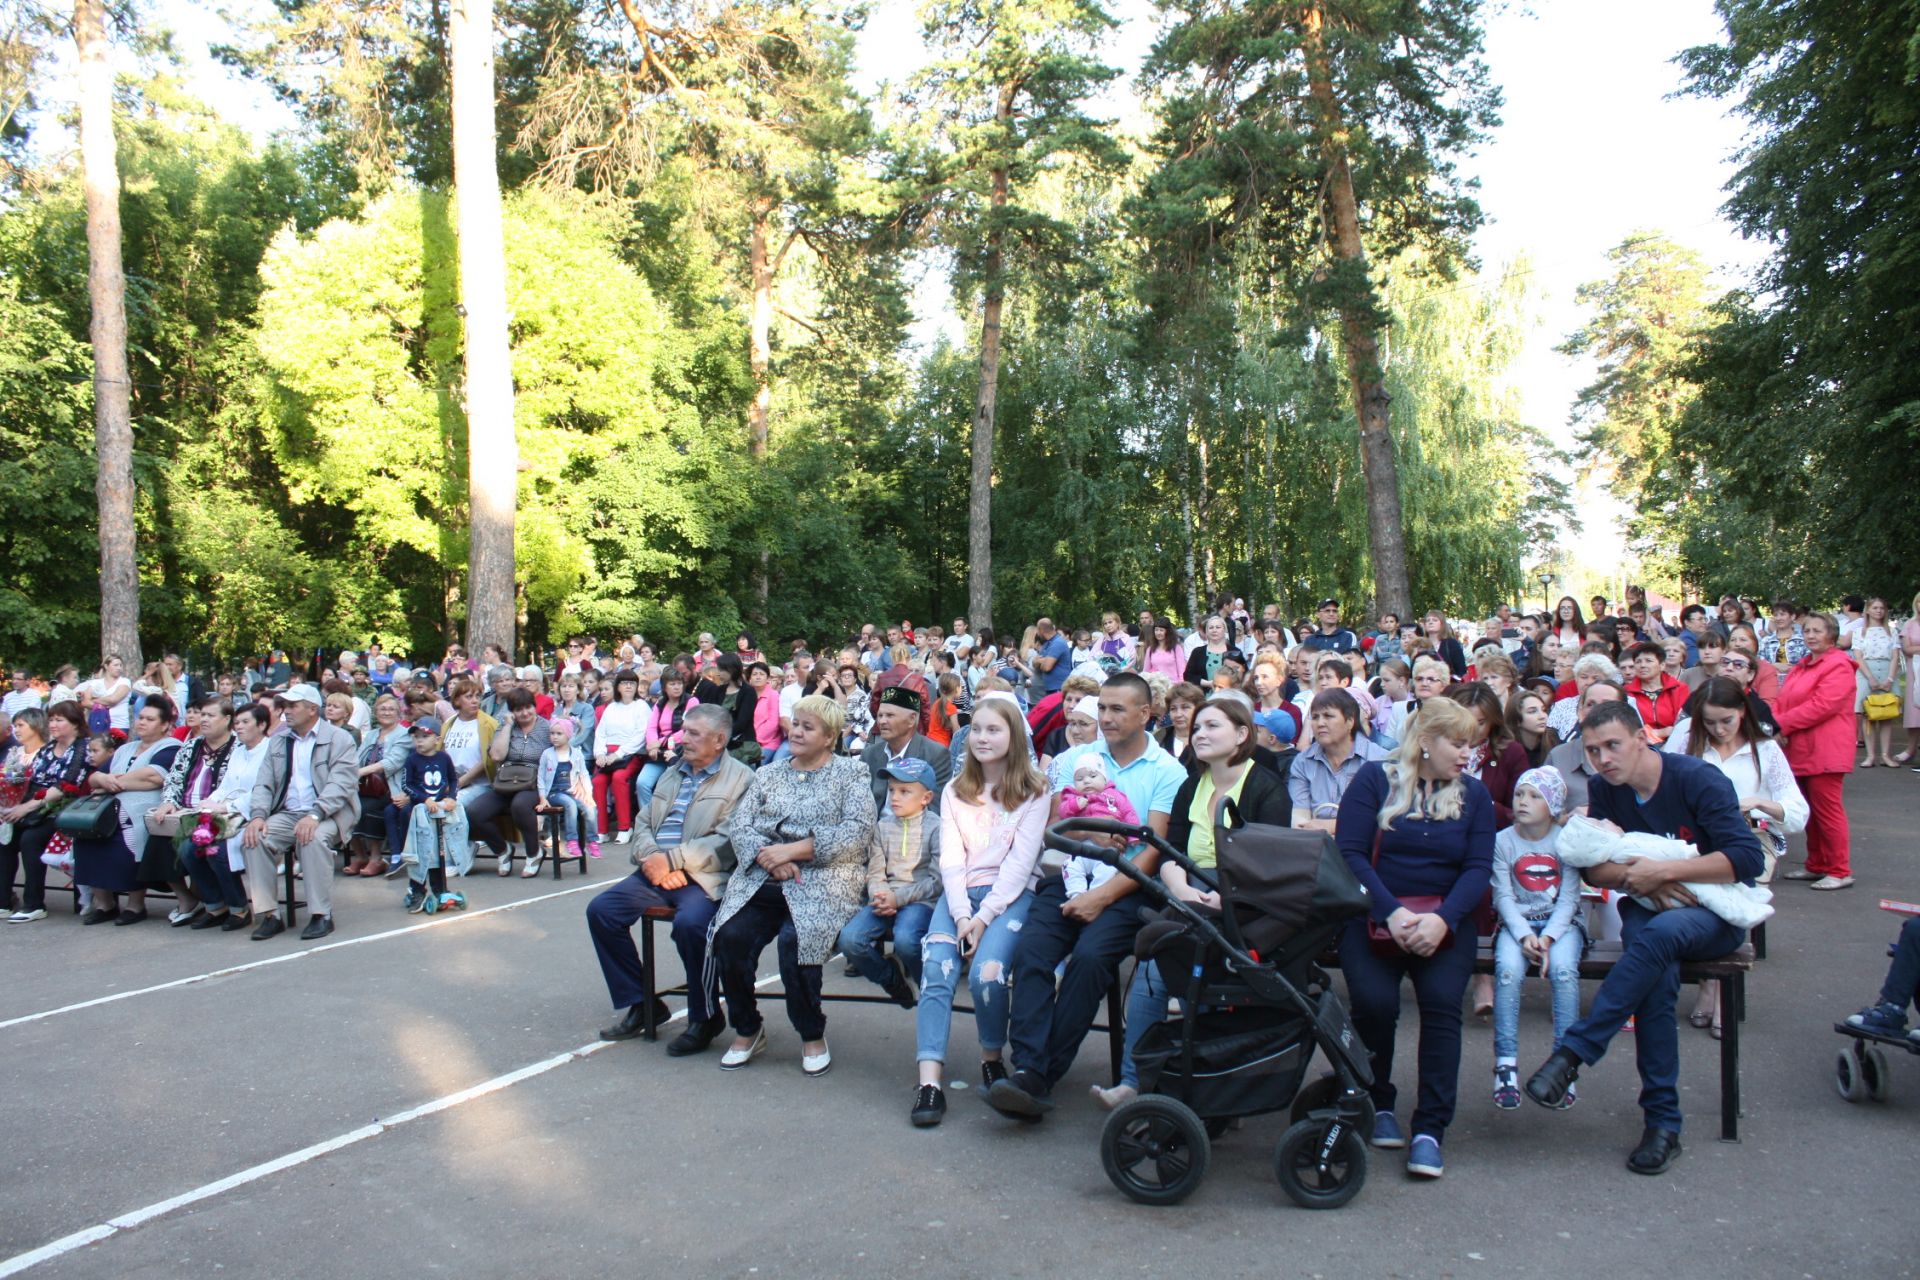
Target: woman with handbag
[
  {"x": 54, "y": 760},
  {"x": 199, "y": 837},
  {"x": 1874, "y": 647},
  {"x": 1419, "y": 834},
  {"x": 382, "y": 754},
  {"x": 113, "y": 856},
  {"x": 515, "y": 752}
]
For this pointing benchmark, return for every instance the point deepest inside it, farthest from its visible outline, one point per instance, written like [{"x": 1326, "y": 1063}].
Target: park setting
[{"x": 845, "y": 637}]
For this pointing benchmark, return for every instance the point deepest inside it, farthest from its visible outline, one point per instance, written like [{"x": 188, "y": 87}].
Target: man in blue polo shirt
[
  {"x": 1330, "y": 636},
  {"x": 1093, "y": 931},
  {"x": 1636, "y": 788},
  {"x": 1053, "y": 659}
]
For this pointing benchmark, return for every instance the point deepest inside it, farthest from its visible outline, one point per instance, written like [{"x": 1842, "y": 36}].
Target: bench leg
[
  {"x": 1733, "y": 987},
  {"x": 1758, "y": 936},
  {"x": 1116, "y": 1028},
  {"x": 289, "y": 914},
  {"x": 647, "y": 1030}
]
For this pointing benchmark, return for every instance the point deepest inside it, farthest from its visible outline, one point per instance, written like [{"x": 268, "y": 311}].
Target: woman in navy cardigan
[{"x": 1416, "y": 826}]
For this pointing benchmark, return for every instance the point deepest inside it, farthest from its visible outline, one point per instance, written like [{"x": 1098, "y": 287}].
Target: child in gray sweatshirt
[{"x": 1537, "y": 897}]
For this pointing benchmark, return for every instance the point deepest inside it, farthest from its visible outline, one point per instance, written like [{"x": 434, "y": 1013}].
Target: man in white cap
[{"x": 305, "y": 802}]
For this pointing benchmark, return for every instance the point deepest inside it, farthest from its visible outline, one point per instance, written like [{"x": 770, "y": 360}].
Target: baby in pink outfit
[{"x": 1092, "y": 796}]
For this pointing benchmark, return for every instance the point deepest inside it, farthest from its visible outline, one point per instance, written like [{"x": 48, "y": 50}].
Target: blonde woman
[
  {"x": 1418, "y": 833},
  {"x": 992, "y": 818}
]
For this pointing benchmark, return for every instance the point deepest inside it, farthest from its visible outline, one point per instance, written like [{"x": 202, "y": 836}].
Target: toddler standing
[{"x": 1537, "y": 896}]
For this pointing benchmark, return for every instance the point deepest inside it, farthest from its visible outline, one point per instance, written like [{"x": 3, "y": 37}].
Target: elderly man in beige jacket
[
  {"x": 684, "y": 860},
  {"x": 305, "y": 802}
]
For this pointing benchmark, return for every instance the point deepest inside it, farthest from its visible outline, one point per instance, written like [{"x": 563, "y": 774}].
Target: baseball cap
[
  {"x": 910, "y": 769},
  {"x": 426, "y": 724},
  {"x": 1279, "y": 723},
  {"x": 303, "y": 693}
]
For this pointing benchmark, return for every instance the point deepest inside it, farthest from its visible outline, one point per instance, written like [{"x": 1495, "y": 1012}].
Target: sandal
[{"x": 1700, "y": 1019}]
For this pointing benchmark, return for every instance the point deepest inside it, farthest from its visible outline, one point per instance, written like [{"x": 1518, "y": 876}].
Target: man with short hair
[
  {"x": 1094, "y": 930},
  {"x": 20, "y": 696},
  {"x": 1693, "y": 625},
  {"x": 1502, "y": 627},
  {"x": 1329, "y": 635},
  {"x": 960, "y": 643},
  {"x": 1053, "y": 659},
  {"x": 186, "y": 685},
  {"x": 305, "y": 802},
  {"x": 684, "y": 856},
  {"x": 1636, "y": 788},
  {"x": 896, "y": 733}
]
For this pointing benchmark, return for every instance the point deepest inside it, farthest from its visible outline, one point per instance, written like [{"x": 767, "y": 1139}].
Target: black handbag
[{"x": 90, "y": 818}]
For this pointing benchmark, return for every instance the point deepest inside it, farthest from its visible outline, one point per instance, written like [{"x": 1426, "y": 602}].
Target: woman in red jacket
[
  {"x": 1815, "y": 713},
  {"x": 1657, "y": 696}
]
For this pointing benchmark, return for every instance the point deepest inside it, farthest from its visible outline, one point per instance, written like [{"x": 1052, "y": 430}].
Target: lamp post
[{"x": 1546, "y": 591}]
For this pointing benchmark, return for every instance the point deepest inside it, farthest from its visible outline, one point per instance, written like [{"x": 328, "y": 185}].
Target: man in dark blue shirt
[
  {"x": 1330, "y": 635},
  {"x": 1639, "y": 789},
  {"x": 1053, "y": 658}
]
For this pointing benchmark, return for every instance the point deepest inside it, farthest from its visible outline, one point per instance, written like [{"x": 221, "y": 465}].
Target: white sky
[{"x": 1593, "y": 147}]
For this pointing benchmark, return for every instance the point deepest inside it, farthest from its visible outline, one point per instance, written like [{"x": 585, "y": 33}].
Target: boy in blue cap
[{"x": 903, "y": 882}]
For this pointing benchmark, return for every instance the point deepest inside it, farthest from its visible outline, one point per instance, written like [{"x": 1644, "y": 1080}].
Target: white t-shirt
[
  {"x": 361, "y": 715},
  {"x": 120, "y": 714},
  {"x": 789, "y": 699},
  {"x": 462, "y": 740},
  {"x": 18, "y": 700}
]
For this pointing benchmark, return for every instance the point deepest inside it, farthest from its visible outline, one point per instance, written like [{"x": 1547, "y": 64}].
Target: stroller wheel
[
  {"x": 1316, "y": 1175},
  {"x": 1155, "y": 1149},
  {"x": 1323, "y": 1095}
]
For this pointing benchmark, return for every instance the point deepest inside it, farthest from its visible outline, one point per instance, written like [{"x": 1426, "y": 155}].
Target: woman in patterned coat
[{"x": 800, "y": 834}]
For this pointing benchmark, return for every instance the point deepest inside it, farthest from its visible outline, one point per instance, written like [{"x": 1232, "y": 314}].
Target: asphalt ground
[{"x": 156, "y": 1108}]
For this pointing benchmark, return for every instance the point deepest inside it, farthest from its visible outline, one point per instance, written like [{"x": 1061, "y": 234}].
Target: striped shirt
[{"x": 670, "y": 834}]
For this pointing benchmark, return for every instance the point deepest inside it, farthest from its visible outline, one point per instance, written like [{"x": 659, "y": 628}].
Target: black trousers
[
  {"x": 735, "y": 952},
  {"x": 484, "y": 809},
  {"x": 28, "y": 843}
]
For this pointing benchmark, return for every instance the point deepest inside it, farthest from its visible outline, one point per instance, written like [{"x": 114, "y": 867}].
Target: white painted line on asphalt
[
  {"x": 127, "y": 1221},
  {"x": 287, "y": 957}
]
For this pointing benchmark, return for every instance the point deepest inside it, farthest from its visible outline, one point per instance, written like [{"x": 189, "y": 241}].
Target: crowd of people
[{"x": 887, "y": 800}]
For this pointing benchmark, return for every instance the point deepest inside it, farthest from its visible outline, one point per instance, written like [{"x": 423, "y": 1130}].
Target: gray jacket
[
  {"x": 336, "y": 777},
  {"x": 705, "y": 852}
]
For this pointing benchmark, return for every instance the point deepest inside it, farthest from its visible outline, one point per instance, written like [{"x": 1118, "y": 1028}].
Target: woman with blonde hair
[
  {"x": 1418, "y": 833},
  {"x": 992, "y": 818}
]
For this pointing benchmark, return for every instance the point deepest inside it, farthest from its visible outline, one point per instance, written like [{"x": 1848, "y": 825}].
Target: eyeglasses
[{"x": 1736, "y": 664}]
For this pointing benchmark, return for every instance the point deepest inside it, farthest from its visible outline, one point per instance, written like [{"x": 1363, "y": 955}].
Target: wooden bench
[{"x": 1114, "y": 1026}]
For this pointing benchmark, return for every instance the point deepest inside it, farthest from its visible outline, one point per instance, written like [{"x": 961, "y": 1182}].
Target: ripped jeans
[
  {"x": 1510, "y": 966},
  {"x": 989, "y": 978}
]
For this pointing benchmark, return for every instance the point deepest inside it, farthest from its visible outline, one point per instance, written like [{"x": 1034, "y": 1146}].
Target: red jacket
[
  {"x": 1815, "y": 713},
  {"x": 1659, "y": 708}
]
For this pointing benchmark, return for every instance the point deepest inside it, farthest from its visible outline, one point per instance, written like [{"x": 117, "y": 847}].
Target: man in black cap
[
  {"x": 896, "y": 733},
  {"x": 1330, "y": 635}
]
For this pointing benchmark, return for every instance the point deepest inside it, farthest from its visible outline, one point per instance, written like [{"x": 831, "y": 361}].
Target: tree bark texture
[
  {"x": 1360, "y": 335},
  {"x": 980, "y": 488},
  {"x": 760, "y": 358},
  {"x": 112, "y": 388},
  {"x": 493, "y": 456}
]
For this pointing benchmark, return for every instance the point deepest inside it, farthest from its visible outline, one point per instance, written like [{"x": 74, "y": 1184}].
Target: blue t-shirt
[
  {"x": 1693, "y": 802},
  {"x": 1058, "y": 649}
]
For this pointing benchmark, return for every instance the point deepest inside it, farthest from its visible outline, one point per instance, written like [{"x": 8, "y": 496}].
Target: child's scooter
[
  {"x": 1861, "y": 1071},
  {"x": 448, "y": 901}
]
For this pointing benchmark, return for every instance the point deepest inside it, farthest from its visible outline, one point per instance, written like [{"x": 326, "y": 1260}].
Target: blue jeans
[
  {"x": 990, "y": 970},
  {"x": 577, "y": 821},
  {"x": 643, "y": 784},
  {"x": 1643, "y": 986},
  {"x": 1146, "y": 1005},
  {"x": 860, "y": 940},
  {"x": 1510, "y": 967},
  {"x": 1051, "y": 1021}
]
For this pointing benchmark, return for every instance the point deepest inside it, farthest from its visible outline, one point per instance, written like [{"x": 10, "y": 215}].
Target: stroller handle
[{"x": 1058, "y": 839}]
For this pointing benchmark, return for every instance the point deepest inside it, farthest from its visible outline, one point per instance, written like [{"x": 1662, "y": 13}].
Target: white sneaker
[
  {"x": 734, "y": 1059},
  {"x": 623, "y": 837},
  {"x": 27, "y": 917},
  {"x": 817, "y": 1064}
]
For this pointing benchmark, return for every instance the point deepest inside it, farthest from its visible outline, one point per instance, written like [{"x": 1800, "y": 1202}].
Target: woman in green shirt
[{"x": 1223, "y": 742}]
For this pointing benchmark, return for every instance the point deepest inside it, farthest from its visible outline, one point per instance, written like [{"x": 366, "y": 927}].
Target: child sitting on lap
[
  {"x": 437, "y": 826},
  {"x": 1092, "y": 796},
  {"x": 1537, "y": 896}
]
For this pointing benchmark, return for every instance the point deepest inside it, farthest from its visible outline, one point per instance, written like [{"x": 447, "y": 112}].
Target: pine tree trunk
[
  {"x": 1186, "y": 538},
  {"x": 760, "y": 358},
  {"x": 493, "y": 456},
  {"x": 112, "y": 388},
  {"x": 980, "y": 487},
  {"x": 1360, "y": 327}
]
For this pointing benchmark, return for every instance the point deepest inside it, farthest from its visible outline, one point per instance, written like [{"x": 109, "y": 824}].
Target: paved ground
[{"x": 625, "y": 1161}]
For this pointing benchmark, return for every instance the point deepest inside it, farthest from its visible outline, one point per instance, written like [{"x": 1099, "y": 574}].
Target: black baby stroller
[{"x": 1253, "y": 1005}]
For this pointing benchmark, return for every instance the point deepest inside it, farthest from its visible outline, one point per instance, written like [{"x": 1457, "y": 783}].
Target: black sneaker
[
  {"x": 904, "y": 993},
  {"x": 1023, "y": 1095},
  {"x": 992, "y": 1072},
  {"x": 696, "y": 1038},
  {"x": 1657, "y": 1151},
  {"x": 929, "y": 1106}
]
